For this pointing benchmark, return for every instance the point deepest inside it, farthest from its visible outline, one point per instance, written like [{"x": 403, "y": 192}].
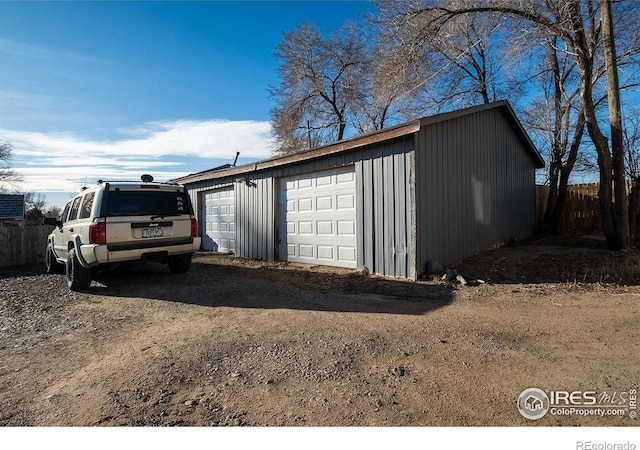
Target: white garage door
[
  {"x": 220, "y": 223},
  {"x": 318, "y": 218}
]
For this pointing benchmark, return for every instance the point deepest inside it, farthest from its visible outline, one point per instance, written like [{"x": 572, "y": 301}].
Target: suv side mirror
[{"x": 52, "y": 221}]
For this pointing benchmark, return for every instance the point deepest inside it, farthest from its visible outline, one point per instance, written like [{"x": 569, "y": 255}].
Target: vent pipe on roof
[{"x": 235, "y": 160}]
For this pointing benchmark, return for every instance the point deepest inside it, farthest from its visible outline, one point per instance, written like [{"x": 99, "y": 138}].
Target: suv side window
[
  {"x": 63, "y": 217},
  {"x": 87, "y": 205},
  {"x": 73, "y": 214}
]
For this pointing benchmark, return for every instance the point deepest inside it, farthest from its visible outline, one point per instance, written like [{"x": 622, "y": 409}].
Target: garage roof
[{"x": 370, "y": 138}]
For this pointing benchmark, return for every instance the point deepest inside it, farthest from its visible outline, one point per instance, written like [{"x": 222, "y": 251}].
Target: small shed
[{"x": 441, "y": 188}]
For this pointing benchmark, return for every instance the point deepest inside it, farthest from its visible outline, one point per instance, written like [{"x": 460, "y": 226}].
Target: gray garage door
[
  {"x": 318, "y": 218},
  {"x": 219, "y": 221}
]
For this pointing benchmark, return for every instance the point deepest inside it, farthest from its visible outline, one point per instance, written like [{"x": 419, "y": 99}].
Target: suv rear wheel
[
  {"x": 78, "y": 277},
  {"x": 179, "y": 264}
]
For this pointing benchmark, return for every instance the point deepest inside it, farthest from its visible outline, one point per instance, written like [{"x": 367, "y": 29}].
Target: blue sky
[{"x": 111, "y": 90}]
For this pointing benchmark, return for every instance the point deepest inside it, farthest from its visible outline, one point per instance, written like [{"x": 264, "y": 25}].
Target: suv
[{"x": 118, "y": 222}]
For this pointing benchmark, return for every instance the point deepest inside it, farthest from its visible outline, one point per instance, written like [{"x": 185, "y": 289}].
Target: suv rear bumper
[{"x": 92, "y": 255}]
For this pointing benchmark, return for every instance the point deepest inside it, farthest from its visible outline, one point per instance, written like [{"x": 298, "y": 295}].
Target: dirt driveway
[{"x": 240, "y": 342}]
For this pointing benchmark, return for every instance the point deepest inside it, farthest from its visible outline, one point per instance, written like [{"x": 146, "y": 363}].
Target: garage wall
[
  {"x": 255, "y": 219},
  {"x": 476, "y": 187},
  {"x": 386, "y": 187}
]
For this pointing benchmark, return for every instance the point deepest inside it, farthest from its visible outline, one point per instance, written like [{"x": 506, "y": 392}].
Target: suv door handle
[{"x": 71, "y": 230}]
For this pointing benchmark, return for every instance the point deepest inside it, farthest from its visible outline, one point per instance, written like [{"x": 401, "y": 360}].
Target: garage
[
  {"x": 394, "y": 201},
  {"x": 219, "y": 221},
  {"x": 318, "y": 218}
]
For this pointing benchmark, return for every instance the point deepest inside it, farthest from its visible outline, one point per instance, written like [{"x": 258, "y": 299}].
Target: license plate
[{"x": 151, "y": 232}]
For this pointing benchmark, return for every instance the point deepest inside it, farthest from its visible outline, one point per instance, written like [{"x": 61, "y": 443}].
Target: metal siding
[
  {"x": 411, "y": 207},
  {"x": 388, "y": 201},
  {"x": 360, "y": 222},
  {"x": 476, "y": 185},
  {"x": 377, "y": 218},
  {"x": 367, "y": 196}
]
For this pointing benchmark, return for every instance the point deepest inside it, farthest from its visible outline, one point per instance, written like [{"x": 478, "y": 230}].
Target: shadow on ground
[{"x": 221, "y": 285}]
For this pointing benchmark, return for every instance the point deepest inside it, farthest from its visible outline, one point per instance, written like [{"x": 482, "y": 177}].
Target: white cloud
[{"x": 61, "y": 161}]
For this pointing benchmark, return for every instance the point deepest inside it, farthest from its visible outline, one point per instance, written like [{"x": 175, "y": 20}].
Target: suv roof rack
[{"x": 172, "y": 183}]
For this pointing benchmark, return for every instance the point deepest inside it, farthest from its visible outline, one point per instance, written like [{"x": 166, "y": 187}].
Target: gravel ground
[{"x": 238, "y": 342}]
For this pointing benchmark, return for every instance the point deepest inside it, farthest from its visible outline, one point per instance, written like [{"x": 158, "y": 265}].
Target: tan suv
[{"x": 121, "y": 222}]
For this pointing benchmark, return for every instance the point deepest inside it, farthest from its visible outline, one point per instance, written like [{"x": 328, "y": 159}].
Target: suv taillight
[
  {"x": 98, "y": 231},
  {"x": 194, "y": 227}
]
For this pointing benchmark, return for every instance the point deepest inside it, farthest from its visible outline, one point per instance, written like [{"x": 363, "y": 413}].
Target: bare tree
[
  {"x": 631, "y": 142},
  {"x": 34, "y": 206},
  {"x": 53, "y": 211},
  {"x": 615, "y": 123},
  {"x": 558, "y": 117},
  {"x": 320, "y": 80},
  {"x": 577, "y": 23},
  {"x": 388, "y": 95},
  {"x": 463, "y": 61},
  {"x": 9, "y": 179},
  {"x": 468, "y": 46}
]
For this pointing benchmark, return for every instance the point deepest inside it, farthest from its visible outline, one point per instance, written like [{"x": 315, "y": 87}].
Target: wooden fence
[
  {"x": 21, "y": 245},
  {"x": 582, "y": 210}
]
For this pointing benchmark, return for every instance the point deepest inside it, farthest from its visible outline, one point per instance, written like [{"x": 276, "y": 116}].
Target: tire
[
  {"x": 78, "y": 277},
  {"x": 53, "y": 266},
  {"x": 179, "y": 264}
]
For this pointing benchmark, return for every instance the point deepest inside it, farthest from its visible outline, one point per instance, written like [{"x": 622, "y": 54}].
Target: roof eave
[{"x": 325, "y": 150}]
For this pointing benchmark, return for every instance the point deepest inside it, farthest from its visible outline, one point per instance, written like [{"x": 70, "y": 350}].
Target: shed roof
[
  {"x": 11, "y": 206},
  {"x": 371, "y": 138}
]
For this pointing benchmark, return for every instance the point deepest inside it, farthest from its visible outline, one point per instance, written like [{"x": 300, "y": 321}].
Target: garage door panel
[
  {"x": 305, "y": 251},
  {"x": 346, "y": 228},
  {"x": 324, "y": 203},
  {"x": 305, "y": 205},
  {"x": 325, "y": 252},
  {"x": 329, "y": 237},
  {"x": 346, "y": 178},
  {"x": 305, "y": 228},
  {"x": 346, "y": 201},
  {"x": 347, "y": 254},
  {"x": 219, "y": 210},
  {"x": 323, "y": 181},
  {"x": 324, "y": 227}
]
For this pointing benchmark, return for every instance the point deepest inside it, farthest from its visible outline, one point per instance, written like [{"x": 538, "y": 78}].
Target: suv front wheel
[
  {"x": 53, "y": 266},
  {"x": 78, "y": 277}
]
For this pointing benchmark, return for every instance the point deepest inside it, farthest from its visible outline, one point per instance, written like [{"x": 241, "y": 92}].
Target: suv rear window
[{"x": 150, "y": 202}]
